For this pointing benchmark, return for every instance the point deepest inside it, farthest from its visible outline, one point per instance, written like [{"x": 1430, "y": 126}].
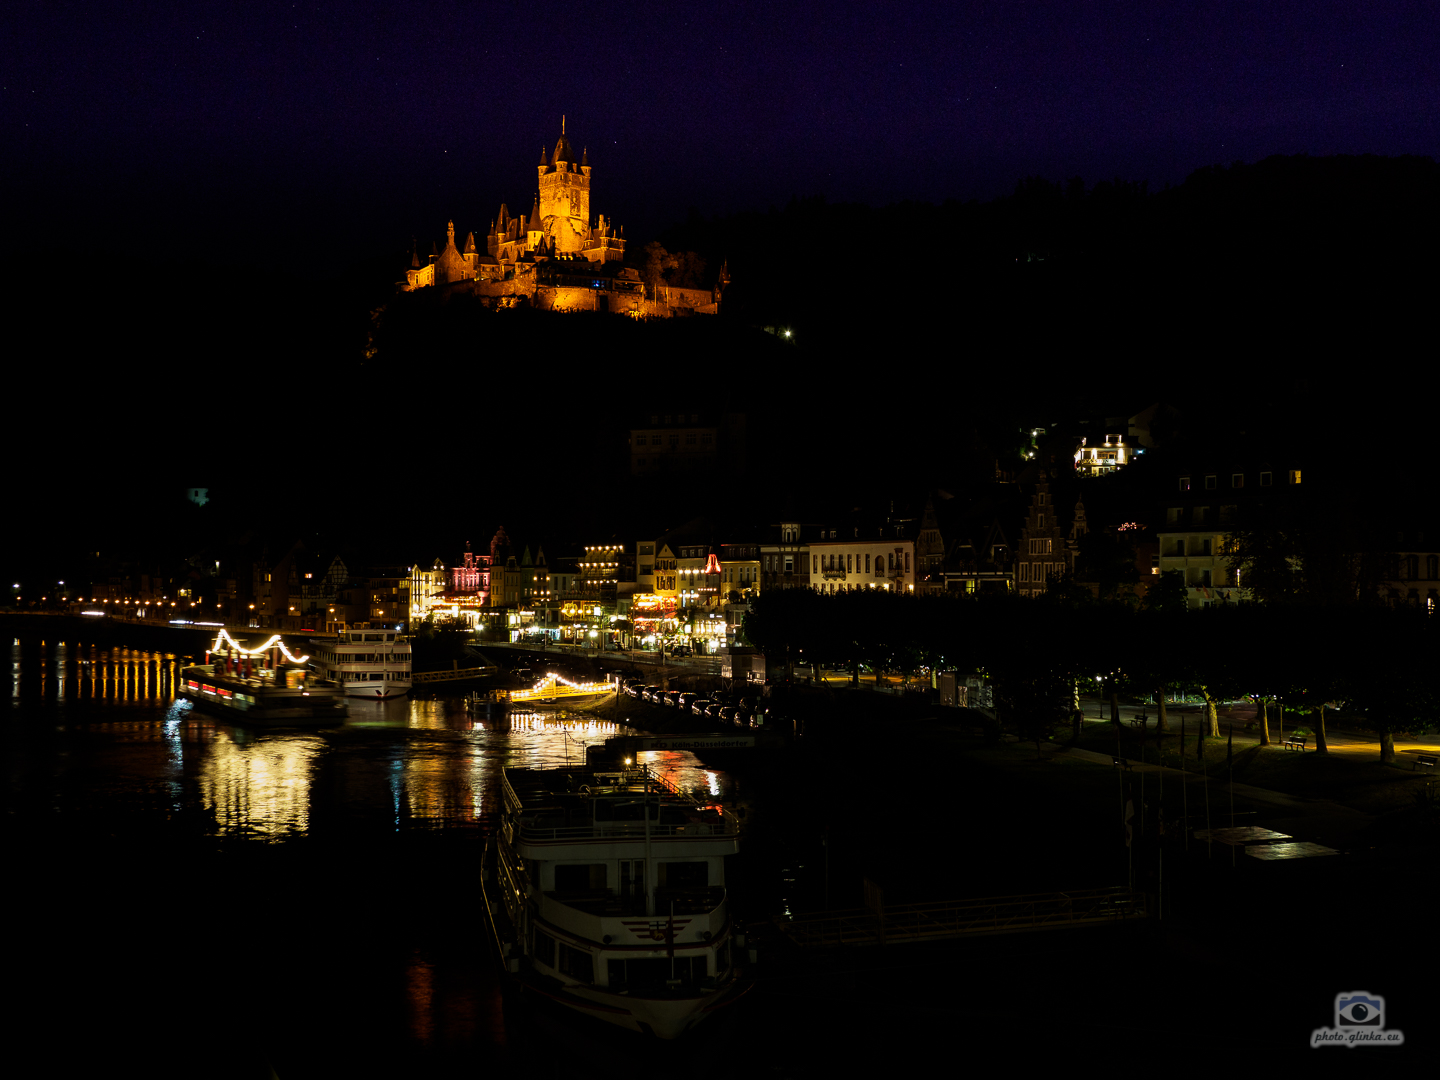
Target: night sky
[
  {"x": 188, "y": 184},
  {"x": 272, "y": 132}
]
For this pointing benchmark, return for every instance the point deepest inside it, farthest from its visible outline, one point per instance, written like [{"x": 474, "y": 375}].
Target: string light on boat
[{"x": 224, "y": 635}]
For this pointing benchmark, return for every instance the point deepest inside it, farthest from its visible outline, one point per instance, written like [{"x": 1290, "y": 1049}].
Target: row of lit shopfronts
[{"x": 651, "y": 621}]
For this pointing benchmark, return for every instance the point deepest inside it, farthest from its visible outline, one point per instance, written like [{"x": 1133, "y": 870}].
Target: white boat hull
[{"x": 377, "y": 690}]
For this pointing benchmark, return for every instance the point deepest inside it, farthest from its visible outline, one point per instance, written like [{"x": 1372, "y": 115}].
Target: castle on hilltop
[{"x": 557, "y": 259}]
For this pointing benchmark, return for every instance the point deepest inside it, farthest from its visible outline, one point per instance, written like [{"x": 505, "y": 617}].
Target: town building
[
  {"x": 785, "y": 557},
  {"x": 1204, "y": 505},
  {"x": 1104, "y": 454},
  {"x": 1048, "y": 539},
  {"x": 684, "y": 443},
  {"x": 870, "y": 556}
]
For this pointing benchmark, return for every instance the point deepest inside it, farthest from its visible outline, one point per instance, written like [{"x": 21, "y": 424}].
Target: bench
[
  {"x": 1296, "y": 742},
  {"x": 1428, "y": 760}
]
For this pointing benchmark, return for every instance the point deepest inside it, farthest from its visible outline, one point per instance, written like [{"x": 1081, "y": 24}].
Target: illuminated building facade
[
  {"x": 1047, "y": 545},
  {"x": 785, "y": 557},
  {"x": 427, "y": 591},
  {"x": 1102, "y": 455},
  {"x": 848, "y": 564},
  {"x": 740, "y": 571}
]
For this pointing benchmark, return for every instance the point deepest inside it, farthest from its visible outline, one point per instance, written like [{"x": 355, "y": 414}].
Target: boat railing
[
  {"x": 727, "y": 825},
  {"x": 635, "y": 778}
]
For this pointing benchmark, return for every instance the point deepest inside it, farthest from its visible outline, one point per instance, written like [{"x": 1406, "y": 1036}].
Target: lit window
[{"x": 1184, "y": 483}]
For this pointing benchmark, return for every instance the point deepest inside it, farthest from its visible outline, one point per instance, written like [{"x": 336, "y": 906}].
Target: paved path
[{"x": 1338, "y": 739}]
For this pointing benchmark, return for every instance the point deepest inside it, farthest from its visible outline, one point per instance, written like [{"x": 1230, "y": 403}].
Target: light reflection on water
[{"x": 398, "y": 765}]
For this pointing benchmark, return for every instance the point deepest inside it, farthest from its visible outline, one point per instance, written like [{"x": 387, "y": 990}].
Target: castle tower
[
  {"x": 535, "y": 231},
  {"x": 565, "y": 198}
]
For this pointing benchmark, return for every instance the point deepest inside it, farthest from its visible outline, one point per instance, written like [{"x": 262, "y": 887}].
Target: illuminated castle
[{"x": 556, "y": 258}]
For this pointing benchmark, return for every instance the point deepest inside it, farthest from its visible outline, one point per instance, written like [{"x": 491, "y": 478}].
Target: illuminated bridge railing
[{"x": 964, "y": 918}]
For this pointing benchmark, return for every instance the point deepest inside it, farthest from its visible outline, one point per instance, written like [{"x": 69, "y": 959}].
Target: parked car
[
  {"x": 713, "y": 709},
  {"x": 633, "y": 689},
  {"x": 699, "y": 705},
  {"x": 651, "y": 694},
  {"x": 727, "y": 714}
]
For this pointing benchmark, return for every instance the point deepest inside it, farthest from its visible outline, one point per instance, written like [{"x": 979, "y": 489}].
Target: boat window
[
  {"x": 544, "y": 948},
  {"x": 684, "y": 874},
  {"x": 577, "y": 963},
  {"x": 639, "y": 973},
  {"x": 579, "y": 878}
]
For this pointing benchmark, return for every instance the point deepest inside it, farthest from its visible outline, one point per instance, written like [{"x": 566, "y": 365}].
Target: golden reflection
[
  {"x": 260, "y": 788},
  {"x": 420, "y": 987},
  {"x": 683, "y": 770}
]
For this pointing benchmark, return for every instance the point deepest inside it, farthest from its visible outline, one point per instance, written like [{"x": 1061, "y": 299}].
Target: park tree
[
  {"x": 1155, "y": 661},
  {"x": 1308, "y": 545},
  {"x": 781, "y": 624},
  {"x": 1388, "y": 673}
]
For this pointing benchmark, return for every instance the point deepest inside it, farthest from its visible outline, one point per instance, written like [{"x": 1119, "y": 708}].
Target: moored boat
[
  {"x": 368, "y": 661},
  {"x": 261, "y": 687},
  {"x": 605, "y": 892}
]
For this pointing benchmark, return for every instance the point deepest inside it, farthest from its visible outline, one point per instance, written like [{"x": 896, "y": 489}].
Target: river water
[{"x": 211, "y": 899}]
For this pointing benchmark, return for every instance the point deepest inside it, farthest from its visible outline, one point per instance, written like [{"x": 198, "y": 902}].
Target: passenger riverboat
[
  {"x": 605, "y": 892},
  {"x": 261, "y": 687},
  {"x": 368, "y": 661}
]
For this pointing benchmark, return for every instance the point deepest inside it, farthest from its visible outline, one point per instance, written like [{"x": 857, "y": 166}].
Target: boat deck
[{"x": 586, "y": 802}]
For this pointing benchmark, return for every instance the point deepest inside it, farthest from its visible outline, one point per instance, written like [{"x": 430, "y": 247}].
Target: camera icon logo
[{"x": 1359, "y": 1010}]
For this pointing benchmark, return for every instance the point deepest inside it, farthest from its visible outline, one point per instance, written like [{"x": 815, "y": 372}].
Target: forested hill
[{"x": 1226, "y": 249}]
